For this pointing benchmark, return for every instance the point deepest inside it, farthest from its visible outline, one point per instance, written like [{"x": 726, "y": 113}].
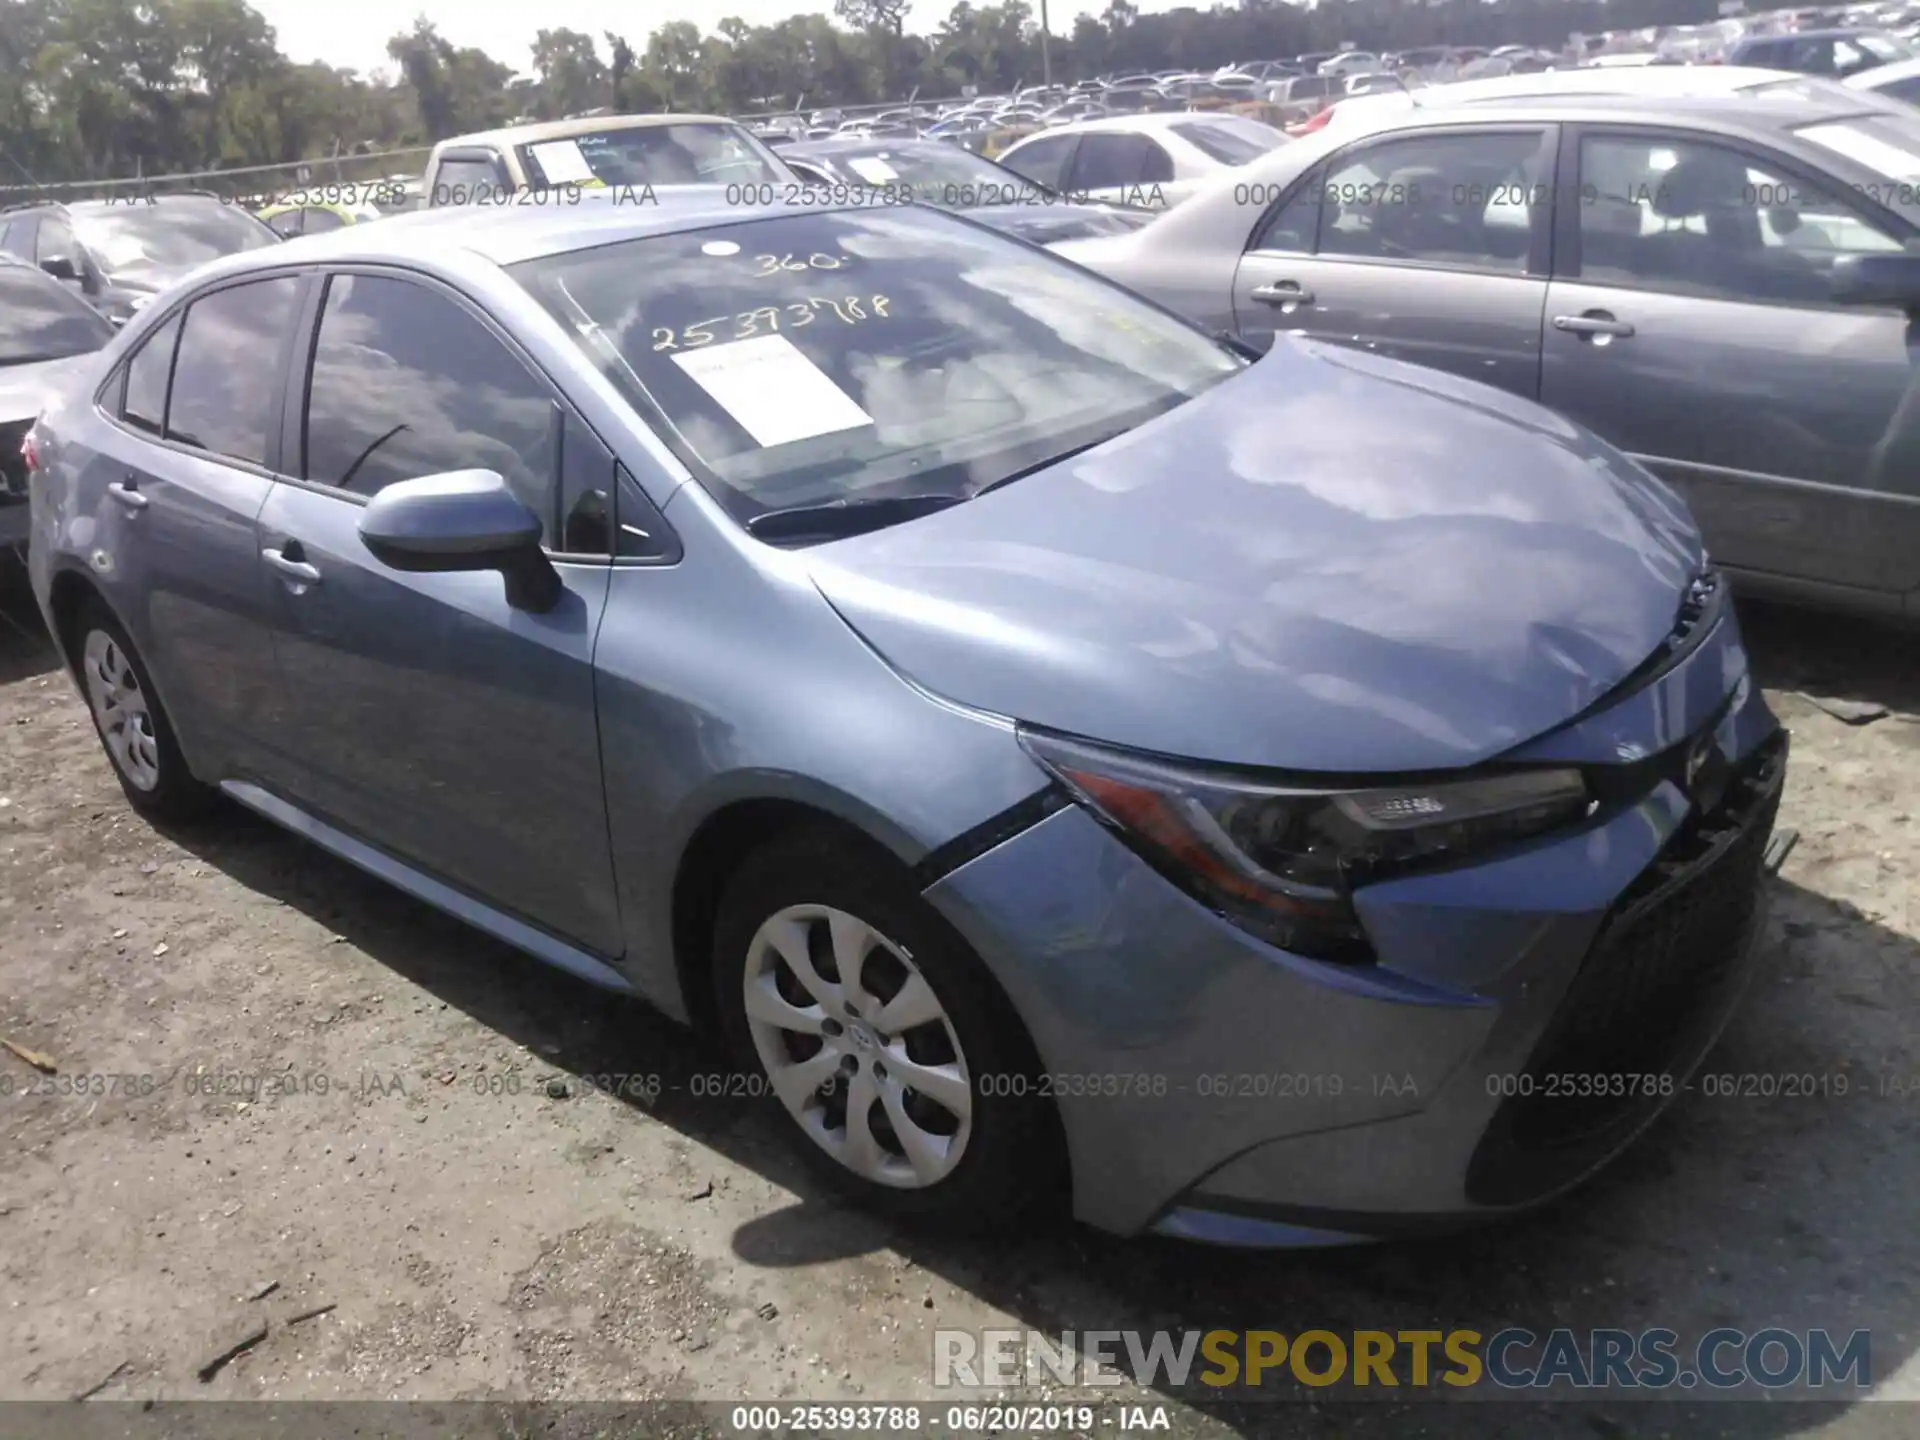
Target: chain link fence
[{"x": 244, "y": 183}]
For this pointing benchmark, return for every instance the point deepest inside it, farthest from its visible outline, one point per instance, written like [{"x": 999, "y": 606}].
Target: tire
[
  {"x": 980, "y": 1158},
  {"x": 132, "y": 725}
]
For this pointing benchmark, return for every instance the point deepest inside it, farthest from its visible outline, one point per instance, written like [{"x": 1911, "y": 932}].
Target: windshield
[
  {"x": 695, "y": 152},
  {"x": 39, "y": 320},
  {"x": 938, "y": 174},
  {"x": 160, "y": 234},
  {"x": 820, "y": 357},
  {"x": 1231, "y": 140}
]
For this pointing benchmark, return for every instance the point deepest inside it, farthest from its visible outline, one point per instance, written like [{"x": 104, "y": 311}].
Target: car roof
[
  {"x": 1151, "y": 120},
  {"x": 509, "y": 234},
  {"x": 580, "y": 125},
  {"x": 859, "y": 144},
  {"x": 1751, "y": 113},
  {"x": 1881, "y": 76}
]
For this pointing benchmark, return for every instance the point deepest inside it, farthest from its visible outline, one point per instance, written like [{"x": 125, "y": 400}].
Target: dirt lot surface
[{"x": 483, "y": 1221}]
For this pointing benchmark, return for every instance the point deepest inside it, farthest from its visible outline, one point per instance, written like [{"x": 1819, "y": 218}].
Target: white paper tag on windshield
[
  {"x": 562, "y": 163},
  {"x": 873, "y": 169},
  {"x": 776, "y": 393}
]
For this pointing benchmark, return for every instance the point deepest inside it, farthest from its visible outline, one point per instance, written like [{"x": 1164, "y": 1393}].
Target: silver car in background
[
  {"x": 1154, "y": 160},
  {"x": 1722, "y": 287}
]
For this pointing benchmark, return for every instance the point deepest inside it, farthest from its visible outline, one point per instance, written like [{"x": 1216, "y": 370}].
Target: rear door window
[
  {"x": 226, "y": 375},
  {"x": 1109, "y": 160},
  {"x": 148, "y": 372},
  {"x": 1044, "y": 162}
]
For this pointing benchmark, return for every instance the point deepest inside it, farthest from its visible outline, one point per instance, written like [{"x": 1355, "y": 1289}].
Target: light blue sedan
[{"x": 1267, "y": 803}]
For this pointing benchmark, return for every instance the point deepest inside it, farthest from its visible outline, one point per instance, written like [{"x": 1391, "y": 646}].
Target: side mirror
[
  {"x": 61, "y": 267},
  {"x": 462, "y": 520},
  {"x": 1877, "y": 280}
]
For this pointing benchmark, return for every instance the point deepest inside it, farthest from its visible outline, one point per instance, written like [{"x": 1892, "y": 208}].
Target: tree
[{"x": 98, "y": 88}]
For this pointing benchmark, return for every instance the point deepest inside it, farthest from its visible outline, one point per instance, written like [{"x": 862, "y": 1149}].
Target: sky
[{"x": 355, "y": 32}]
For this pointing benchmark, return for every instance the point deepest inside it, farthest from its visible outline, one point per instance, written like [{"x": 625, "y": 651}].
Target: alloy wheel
[
  {"x": 857, "y": 1046},
  {"x": 120, "y": 707}
]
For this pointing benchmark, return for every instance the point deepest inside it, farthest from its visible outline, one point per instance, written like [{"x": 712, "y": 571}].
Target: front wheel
[{"x": 883, "y": 1040}]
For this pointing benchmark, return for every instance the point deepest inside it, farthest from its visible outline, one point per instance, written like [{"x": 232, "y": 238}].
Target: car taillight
[
  {"x": 30, "y": 452},
  {"x": 1317, "y": 122}
]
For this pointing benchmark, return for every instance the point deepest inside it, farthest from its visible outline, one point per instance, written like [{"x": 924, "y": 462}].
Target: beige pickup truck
[{"x": 594, "y": 151}]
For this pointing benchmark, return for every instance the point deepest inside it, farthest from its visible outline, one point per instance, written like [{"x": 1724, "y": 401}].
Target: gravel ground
[{"x": 464, "y": 1214}]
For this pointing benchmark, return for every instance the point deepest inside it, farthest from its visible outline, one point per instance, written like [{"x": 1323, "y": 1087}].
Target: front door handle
[
  {"x": 1594, "y": 322},
  {"x": 1282, "y": 292},
  {"x": 291, "y": 566},
  {"x": 126, "y": 493}
]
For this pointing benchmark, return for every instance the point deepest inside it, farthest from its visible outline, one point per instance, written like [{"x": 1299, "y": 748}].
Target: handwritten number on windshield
[
  {"x": 849, "y": 310},
  {"x": 774, "y": 264}
]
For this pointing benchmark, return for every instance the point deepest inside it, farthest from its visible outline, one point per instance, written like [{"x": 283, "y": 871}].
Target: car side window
[
  {"x": 586, "y": 491},
  {"x": 226, "y": 374},
  {"x": 55, "y": 240},
  {"x": 407, "y": 382},
  {"x": 1464, "y": 201},
  {"x": 465, "y": 180},
  {"x": 148, "y": 373},
  {"x": 286, "y": 224},
  {"x": 1291, "y": 228},
  {"x": 1156, "y": 165},
  {"x": 1907, "y": 89},
  {"x": 1107, "y": 160},
  {"x": 1667, "y": 213},
  {"x": 318, "y": 219},
  {"x": 1044, "y": 161}
]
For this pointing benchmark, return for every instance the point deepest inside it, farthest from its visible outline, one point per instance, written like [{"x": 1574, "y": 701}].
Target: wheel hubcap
[
  {"x": 120, "y": 707},
  {"x": 858, "y": 1047}
]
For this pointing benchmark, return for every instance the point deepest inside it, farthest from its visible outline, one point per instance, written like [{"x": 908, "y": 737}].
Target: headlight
[{"x": 1283, "y": 861}]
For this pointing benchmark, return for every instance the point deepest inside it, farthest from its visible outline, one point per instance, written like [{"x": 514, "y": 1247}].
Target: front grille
[
  {"x": 13, "y": 465},
  {"x": 1653, "y": 989}
]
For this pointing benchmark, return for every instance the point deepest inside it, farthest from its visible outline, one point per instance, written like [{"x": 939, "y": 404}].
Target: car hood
[
  {"x": 1330, "y": 562},
  {"x": 1049, "y": 223},
  {"x": 25, "y": 390}
]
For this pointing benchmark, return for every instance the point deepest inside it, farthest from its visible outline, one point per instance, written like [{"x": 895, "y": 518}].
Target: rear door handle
[
  {"x": 125, "y": 493},
  {"x": 1592, "y": 325},
  {"x": 1283, "y": 292},
  {"x": 292, "y": 568}
]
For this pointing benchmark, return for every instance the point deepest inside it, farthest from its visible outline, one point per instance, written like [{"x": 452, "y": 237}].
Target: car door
[
  {"x": 176, "y": 487},
  {"x": 1427, "y": 246},
  {"x": 1689, "y": 324},
  {"x": 432, "y": 718}
]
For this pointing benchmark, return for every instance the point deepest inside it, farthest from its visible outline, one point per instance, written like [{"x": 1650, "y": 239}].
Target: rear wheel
[
  {"x": 132, "y": 725},
  {"x": 886, "y": 1044}
]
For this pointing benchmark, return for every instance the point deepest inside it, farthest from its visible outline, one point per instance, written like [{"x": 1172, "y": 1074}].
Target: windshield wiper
[
  {"x": 851, "y": 515},
  {"x": 1025, "y": 470},
  {"x": 855, "y": 514}
]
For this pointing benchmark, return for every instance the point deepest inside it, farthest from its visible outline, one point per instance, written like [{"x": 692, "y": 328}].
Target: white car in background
[
  {"x": 1153, "y": 160},
  {"x": 1652, "y": 81},
  {"x": 1898, "y": 81}
]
